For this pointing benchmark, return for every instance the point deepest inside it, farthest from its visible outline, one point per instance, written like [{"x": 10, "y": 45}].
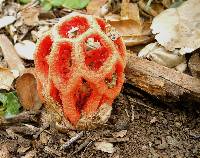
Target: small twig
[
  {"x": 27, "y": 116},
  {"x": 82, "y": 146},
  {"x": 133, "y": 114},
  {"x": 72, "y": 140},
  {"x": 86, "y": 148},
  {"x": 115, "y": 140}
]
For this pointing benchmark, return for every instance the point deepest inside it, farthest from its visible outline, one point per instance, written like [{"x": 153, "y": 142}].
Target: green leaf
[
  {"x": 75, "y": 4},
  {"x": 72, "y": 4},
  {"x": 47, "y": 6},
  {"x": 9, "y": 104},
  {"x": 57, "y": 3},
  {"x": 24, "y": 1}
]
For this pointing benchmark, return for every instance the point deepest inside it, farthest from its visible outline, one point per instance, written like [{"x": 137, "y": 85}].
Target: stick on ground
[{"x": 164, "y": 83}]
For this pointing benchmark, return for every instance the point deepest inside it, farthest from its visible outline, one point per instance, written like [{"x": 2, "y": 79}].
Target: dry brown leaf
[
  {"x": 130, "y": 26},
  {"x": 137, "y": 40},
  {"x": 179, "y": 28},
  {"x": 126, "y": 27},
  {"x": 27, "y": 91},
  {"x": 6, "y": 78},
  {"x": 130, "y": 11},
  {"x": 94, "y": 7},
  {"x": 10, "y": 54},
  {"x": 154, "y": 9},
  {"x": 105, "y": 147},
  {"x": 29, "y": 16}
]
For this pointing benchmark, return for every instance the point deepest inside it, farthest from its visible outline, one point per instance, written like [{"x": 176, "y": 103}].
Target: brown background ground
[{"x": 153, "y": 130}]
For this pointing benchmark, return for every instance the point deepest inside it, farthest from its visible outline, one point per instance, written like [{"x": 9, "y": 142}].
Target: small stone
[
  {"x": 144, "y": 147},
  {"x": 178, "y": 124},
  {"x": 150, "y": 144},
  {"x": 22, "y": 149},
  {"x": 153, "y": 120}
]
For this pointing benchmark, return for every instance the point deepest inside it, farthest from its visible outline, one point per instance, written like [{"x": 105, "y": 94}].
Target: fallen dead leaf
[
  {"x": 94, "y": 7},
  {"x": 22, "y": 149},
  {"x": 130, "y": 26},
  {"x": 105, "y": 147},
  {"x": 178, "y": 28},
  {"x": 6, "y": 20},
  {"x": 137, "y": 40},
  {"x": 154, "y": 9},
  {"x": 6, "y": 78},
  {"x": 27, "y": 92},
  {"x": 130, "y": 11},
  {"x": 153, "y": 120},
  {"x": 30, "y": 154},
  {"x": 10, "y": 54},
  {"x": 160, "y": 55},
  {"x": 124, "y": 27},
  {"x": 25, "y": 49},
  {"x": 29, "y": 16}
]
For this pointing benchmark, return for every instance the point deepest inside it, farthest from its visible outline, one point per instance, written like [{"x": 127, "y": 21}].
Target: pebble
[{"x": 178, "y": 124}]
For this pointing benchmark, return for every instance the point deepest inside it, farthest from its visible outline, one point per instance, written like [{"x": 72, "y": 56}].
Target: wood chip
[{"x": 164, "y": 83}]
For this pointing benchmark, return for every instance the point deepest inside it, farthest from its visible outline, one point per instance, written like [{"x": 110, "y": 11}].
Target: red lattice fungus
[{"x": 80, "y": 70}]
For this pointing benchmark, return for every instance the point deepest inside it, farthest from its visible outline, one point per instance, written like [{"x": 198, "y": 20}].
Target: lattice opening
[
  {"x": 111, "y": 80},
  {"x": 82, "y": 95},
  {"x": 63, "y": 61},
  {"x": 119, "y": 44},
  {"x": 54, "y": 93},
  {"x": 96, "y": 51},
  {"x": 102, "y": 24},
  {"x": 74, "y": 27},
  {"x": 42, "y": 54}
]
